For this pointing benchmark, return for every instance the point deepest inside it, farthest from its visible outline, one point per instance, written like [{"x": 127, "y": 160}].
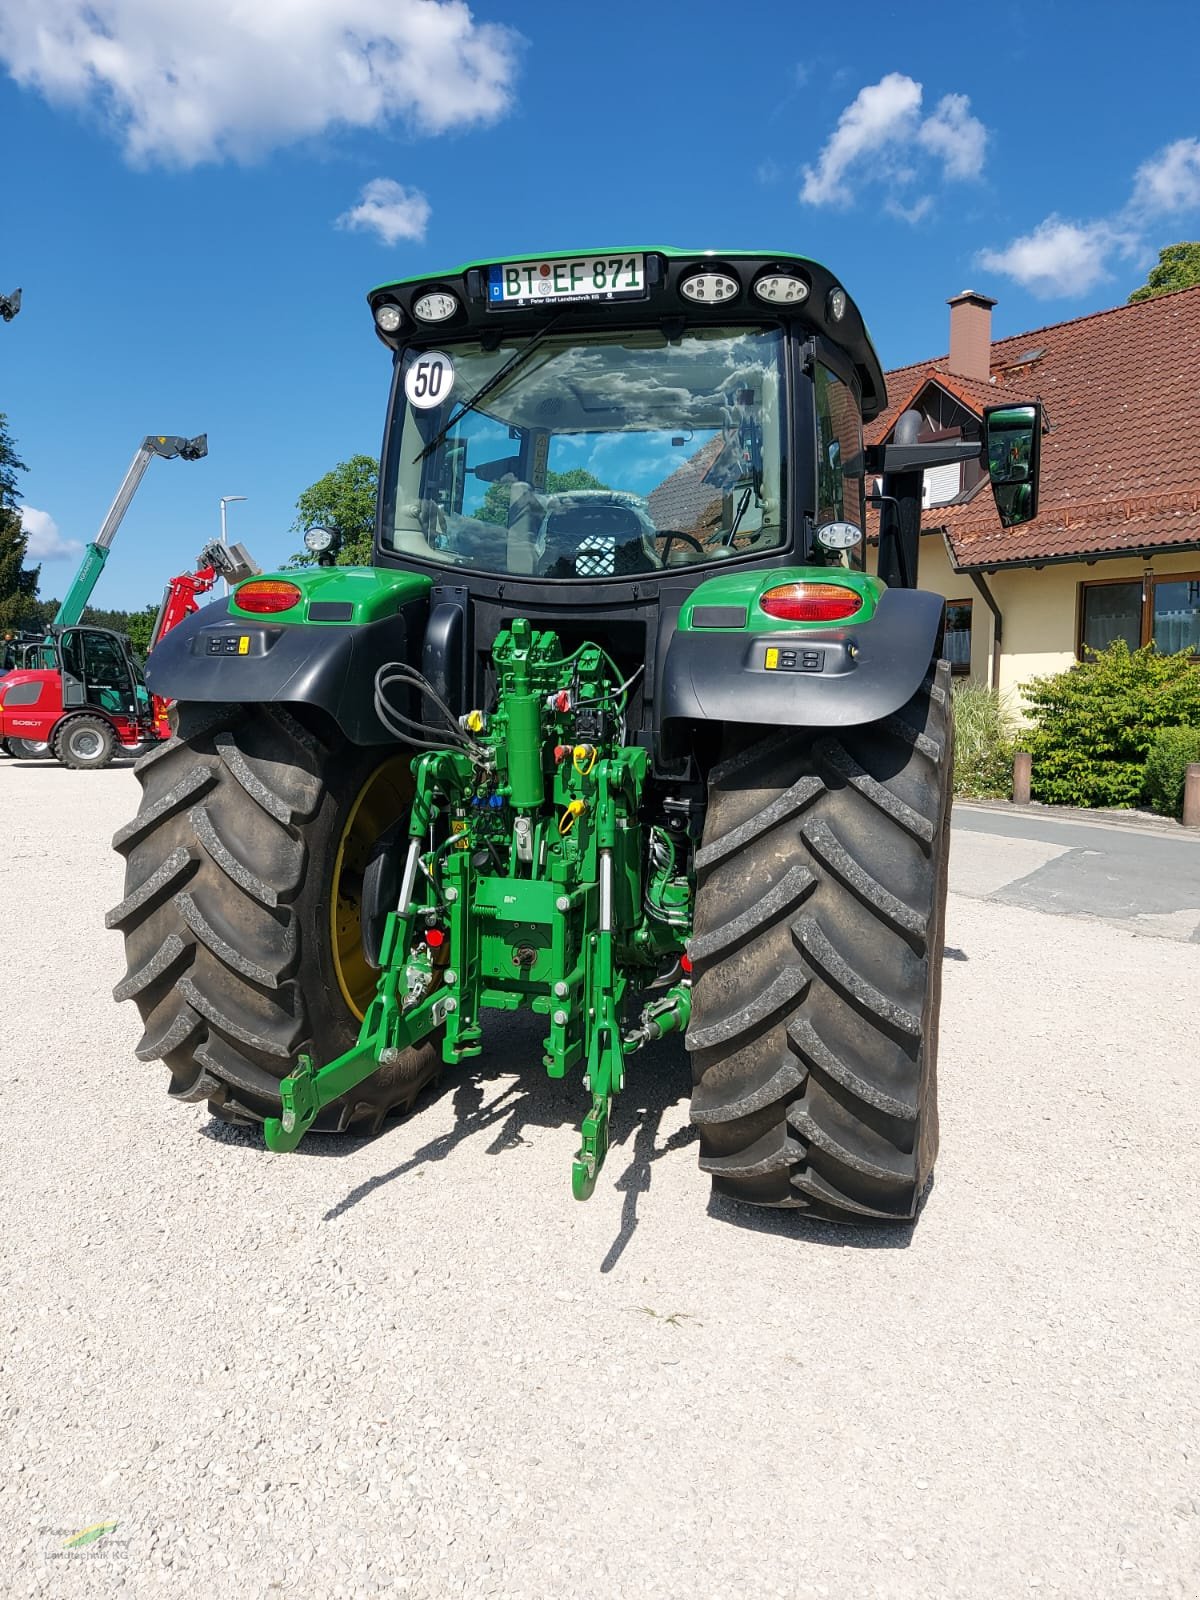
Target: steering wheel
[{"x": 687, "y": 537}]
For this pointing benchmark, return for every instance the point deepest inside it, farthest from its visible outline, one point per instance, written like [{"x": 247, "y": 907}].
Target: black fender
[
  {"x": 827, "y": 678},
  {"x": 213, "y": 656}
]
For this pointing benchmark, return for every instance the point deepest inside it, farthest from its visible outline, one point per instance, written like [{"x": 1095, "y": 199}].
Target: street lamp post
[{"x": 226, "y": 500}]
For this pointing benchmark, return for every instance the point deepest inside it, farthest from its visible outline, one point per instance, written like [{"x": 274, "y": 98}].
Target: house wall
[{"x": 1040, "y": 608}]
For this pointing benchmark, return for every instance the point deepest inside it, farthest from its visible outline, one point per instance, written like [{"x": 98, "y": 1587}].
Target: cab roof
[{"x": 666, "y": 267}]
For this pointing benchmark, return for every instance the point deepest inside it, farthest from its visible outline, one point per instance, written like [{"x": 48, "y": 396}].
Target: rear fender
[
  {"x": 322, "y": 652},
  {"x": 729, "y": 667}
]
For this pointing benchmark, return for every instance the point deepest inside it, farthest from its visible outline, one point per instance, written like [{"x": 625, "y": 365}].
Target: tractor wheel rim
[
  {"x": 87, "y": 744},
  {"x": 383, "y": 797}
]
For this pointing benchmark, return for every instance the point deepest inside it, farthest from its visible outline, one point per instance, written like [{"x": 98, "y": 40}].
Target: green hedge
[
  {"x": 1166, "y": 768},
  {"x": 1094, "y": 724}
]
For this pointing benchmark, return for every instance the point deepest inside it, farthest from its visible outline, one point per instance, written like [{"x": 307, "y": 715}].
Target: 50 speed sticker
[{"x": 429, "y": 379}]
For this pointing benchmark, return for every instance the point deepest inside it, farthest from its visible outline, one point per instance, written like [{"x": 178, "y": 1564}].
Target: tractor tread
[
  {"x": 158, "y": 883},
  {"x": 774, "y": 1152},
  {"x": 273, "y": 804},
  {"x": 169, "y": 953},
  {"x": 833, "y": 855},
  {"x": 216, "y": 848},
  {"x": 167, "y": 1036},
  {"x": 831, "y": 1199},
  {"x": 221, "y": 948},
  {"x": 830, "y": 752},
  {"x": 811, "y": 1048},
  {"x": 782, "y": 992},
  {"x": 194, "y": 783},
  {"x": 820, "y": 951},
  {"x": 708, "y": 1108},
  {"x": 786, "y": 805},
  {"x": 157, "y": 752},
  {"x": 209, "y": 1009},
  {"x": 783, "y": 897},
  {"x": 800, "y": 1117},
  {"x": 228, "y": 1065}
]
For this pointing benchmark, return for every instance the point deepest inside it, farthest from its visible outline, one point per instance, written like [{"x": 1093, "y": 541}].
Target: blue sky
[{"x": 195, "y": 200}]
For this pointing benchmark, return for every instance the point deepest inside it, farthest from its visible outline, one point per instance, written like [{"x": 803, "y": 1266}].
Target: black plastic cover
[
  {"x": 866, "y": 670},
  {"x": 331, "y": 668}
]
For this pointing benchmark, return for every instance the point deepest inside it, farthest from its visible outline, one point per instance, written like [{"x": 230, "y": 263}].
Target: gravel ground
[{"x": 416, "y": 1365}]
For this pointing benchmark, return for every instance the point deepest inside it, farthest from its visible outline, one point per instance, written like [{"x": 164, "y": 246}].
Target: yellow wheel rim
[{"x": 382, "y": 799}]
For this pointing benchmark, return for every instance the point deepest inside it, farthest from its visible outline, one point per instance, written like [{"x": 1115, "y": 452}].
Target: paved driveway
[{"x": 1141, "y": 875}]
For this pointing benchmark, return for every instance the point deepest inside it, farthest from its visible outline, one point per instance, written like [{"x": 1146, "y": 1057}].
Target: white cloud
[
  {"x": 956, "y": 136},
  {"x": 880, "y": 133},
  {"x": 389, "y": 209},
  {"x": 881, "y": 115},
  {"x": 915, "y": 211},
  {"x": 1060, "y": 257},
  {"x": 187, "y": 84},
  {"x": 1068, "y": 258},
  {"x": 1169, "y": 181},
  {"x": 45, "y": 541}
]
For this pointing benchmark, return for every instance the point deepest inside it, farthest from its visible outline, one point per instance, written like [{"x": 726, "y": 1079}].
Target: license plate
[{"x": 528, "y": 283}]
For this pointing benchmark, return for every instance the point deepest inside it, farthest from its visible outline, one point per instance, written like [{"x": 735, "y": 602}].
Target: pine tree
[{"x": 18, "y": 583}]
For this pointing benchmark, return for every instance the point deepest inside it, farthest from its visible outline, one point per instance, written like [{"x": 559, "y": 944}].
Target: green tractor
[{"x": 616, "y": 728}]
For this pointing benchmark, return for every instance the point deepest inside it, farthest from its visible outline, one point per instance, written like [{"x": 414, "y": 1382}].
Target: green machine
[{"x": 616, "y": 729}]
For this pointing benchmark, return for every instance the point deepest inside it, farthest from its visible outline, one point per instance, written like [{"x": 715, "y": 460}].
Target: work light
[{"x": 708, "y": 288}]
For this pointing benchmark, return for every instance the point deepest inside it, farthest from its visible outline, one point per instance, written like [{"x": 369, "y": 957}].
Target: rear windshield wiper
[{"x": 497, "y": 378}]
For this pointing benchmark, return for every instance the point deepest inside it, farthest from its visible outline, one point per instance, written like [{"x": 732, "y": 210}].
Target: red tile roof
[
  {"x": 1121, "y": 464},
  {"x": 683, "y": 501}
]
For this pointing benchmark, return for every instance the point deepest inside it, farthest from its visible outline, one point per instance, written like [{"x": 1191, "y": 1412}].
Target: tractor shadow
[
  {"x": 789, "y": 1224},
  {"x": 656, "y": 1083}
]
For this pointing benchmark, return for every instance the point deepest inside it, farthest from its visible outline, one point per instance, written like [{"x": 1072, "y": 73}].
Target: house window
[
  {"x": 956, "y": 646},
  {"x": 1160, "y": 611},
  {"x": 1176, "y": 614}
]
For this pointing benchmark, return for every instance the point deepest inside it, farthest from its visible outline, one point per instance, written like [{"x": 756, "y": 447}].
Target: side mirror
[{"x": 1013, "y": 441}]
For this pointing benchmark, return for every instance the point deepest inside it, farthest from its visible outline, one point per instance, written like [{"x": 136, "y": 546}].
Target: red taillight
[
  {"x": 811, "y": 602},
  {"x": 267, "y": 594}
]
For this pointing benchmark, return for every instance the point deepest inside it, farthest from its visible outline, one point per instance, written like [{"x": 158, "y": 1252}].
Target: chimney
[{"x": 971, "y": 335}]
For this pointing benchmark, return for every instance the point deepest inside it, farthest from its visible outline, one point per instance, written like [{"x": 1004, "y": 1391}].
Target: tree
[
  {"x": 344, "y": 500},
  {"x": 495, "y": 501},
  {"x": 18, "y": 583},
  {"x": 1178, "y": 268}
]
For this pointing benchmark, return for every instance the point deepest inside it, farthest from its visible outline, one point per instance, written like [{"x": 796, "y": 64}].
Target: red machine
[{"x": 88, "y": 698}]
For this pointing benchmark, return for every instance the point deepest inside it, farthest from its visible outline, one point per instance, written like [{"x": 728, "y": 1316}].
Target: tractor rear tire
[
  {"x": 820, "y": 907},
  {"x": 85, "y": 744},
  {"x": 240, "y": 916}
]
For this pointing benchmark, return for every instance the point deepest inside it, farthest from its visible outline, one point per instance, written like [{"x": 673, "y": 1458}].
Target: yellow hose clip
[
  {"x": 583, "y": 758},
  {"x": 575, "y": 809}
]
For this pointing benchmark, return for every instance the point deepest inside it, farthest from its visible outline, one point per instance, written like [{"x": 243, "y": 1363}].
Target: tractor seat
[{"x": 598, "y": 540}]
